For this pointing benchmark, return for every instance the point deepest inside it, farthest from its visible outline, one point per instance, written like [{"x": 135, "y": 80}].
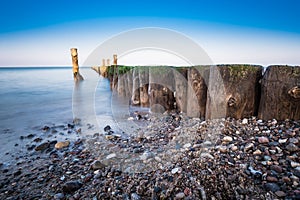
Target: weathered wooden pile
[{"x": 216, "y": 91}]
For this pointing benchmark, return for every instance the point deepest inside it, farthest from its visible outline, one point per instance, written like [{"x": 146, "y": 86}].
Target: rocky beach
[{"x": 171, "y": 156}]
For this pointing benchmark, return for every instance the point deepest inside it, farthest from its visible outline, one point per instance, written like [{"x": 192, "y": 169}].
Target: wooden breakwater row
[{"x": 237, "y": 91}]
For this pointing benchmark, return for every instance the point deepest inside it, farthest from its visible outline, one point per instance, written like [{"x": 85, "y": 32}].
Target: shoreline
[{"x": 172, "y": 157}]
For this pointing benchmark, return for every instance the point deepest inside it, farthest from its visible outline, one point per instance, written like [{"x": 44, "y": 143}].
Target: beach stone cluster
[{"x": 172, "y": 157}]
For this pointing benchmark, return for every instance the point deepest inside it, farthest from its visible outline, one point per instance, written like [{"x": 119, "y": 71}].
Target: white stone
[
  {"x": 111, "y": 156},
  {"x": 227, "y": 139},
  {"x": 188, "y": 145},
  {"x": 175, "y": 170},
  {"x": 245, "y": 121},
  {"x": 295, "y": 164},
  {"x": 281, "y": 141}
]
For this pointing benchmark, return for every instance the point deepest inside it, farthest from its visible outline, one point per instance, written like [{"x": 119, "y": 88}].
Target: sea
[{"x": 34, "y": 97}]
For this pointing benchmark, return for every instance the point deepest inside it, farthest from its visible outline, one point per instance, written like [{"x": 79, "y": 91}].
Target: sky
[{"x": 41, "y": 33}]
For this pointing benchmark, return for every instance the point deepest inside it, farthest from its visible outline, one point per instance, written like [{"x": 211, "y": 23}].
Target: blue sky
[{"x": 270, "y": 29}]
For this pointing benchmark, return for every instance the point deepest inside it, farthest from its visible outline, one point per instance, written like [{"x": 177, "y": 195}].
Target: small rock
[
  {"x": 245, "y": 121},
  {"x": 227, "y": 139},
  {"x": 281, "y": 141},
  {"x": 59, "y": 196},
  {"x": 180, "y": 195},
  {"x": 263, "y": 140},
  {"x": 71, "y": 186},
  {"x": 135, "y": 196},
  {"x": 234, "y": 148},
  {"x": 286, "y": 179},
  {"x": 97, "y": 165},
  {"x": 272, "y": 187},
  {"x": 276, "y": 168},
  {"x": 46, "y": 128},
  {"x": 37, "y": 139},
  {"x": 295, "y": 164},
  {"x": 61, "y": 145},
  {"x": 175, "y": 170},
  {"x": 107, "y": 128},
  {"x": 272, "y": 179},
  {"x": 206, "y": 155},
  {"x": 146, "y": 155},
  {"x": 292, "y": 147},
  {"x": 223, "y": 149},
  {"x": 30, "y": 136},
  {"x": 257, "y": 152},
  {"x": 188, "y": 145},
  {"x": 248, "y": 146},
  {"x": 280, "y": 194},
  {"x": 111, "y": 156},
  {"x": 42, "y": 146},
  {"x": 267, "y": 158}
]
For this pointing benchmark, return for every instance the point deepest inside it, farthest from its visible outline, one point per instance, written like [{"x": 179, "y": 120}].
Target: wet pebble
[{"x": 71, "y": 186}]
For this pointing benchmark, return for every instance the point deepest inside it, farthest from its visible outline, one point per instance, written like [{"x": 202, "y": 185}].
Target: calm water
[{"x": 31, "y": 98}]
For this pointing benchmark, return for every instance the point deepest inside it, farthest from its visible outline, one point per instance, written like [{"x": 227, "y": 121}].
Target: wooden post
[
  {"x": 233, "y": 91},
  {"x": 162, "y": 87},
  {"x": 115, "y": 59},
  {"x": 108, "y": 62},
  {"x": 103, "y": 62},
  {"x": 144, "y": 85},
  {"x": 76, "y": 74},
  {"x": 280, "y": 95},
  {"x": 181, "y": 87},
  {"x": 198, "y": 77},
  {"x": 135, "y": 98}
]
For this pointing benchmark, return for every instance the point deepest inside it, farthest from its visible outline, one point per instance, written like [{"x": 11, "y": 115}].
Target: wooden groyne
[{"x": 208, "y": 92}]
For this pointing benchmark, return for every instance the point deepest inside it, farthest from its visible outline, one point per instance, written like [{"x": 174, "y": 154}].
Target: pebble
[
  {"x": 272, "y": 187},
  {"x": 206, "y": 155},
  {"x": 227, "y": 139},
  {"x": 282, "y": 141},
  {"x": 107, "y": 128},
  {"x": 111, "y": 156},
  {"x": 97, "y": 165},
  {"x": 263, "y": 140},
  {"x": 280, "y": 194},
  {"x": 295, "y": 164},
  {"x": 135, "y": 196},
  {"x": 188, "y": 145},
  {"x": 276, "y": 168},
  {"x": 234, "y": 148},
  {"x": 257, "y": 152},
  {"x": 248, "y": 146},
  {"x": 61, "y": 145},
  {"x": 42, "y": 146},
  {"x": 71, "y": 186},
  {"x": 272, "y": 179},
  {"x": 59, "y": 196},
  {"x": 180, "y": 195},
  {"x": 292, "y": 147},
  {"x": 245, "y": 121},
  {"x": 223, "y": 149},
  {"x": 175, "y": 170}
]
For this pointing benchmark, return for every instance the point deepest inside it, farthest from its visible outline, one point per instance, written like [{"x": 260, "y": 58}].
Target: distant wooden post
[
  {"x": 103, "y": 62},
  {"x": 76, "y": 74},
  {"x": 108, "y": 62},
  {"x": 280, "y": 96},
  {"x": 115, "y": 59}
]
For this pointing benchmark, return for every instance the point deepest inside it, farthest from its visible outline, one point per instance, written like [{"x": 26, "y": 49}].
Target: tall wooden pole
[{"x": 76, "y": 74}]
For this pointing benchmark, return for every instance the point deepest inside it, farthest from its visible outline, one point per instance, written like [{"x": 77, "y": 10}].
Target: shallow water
[{"x": 31, "y": 98}]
